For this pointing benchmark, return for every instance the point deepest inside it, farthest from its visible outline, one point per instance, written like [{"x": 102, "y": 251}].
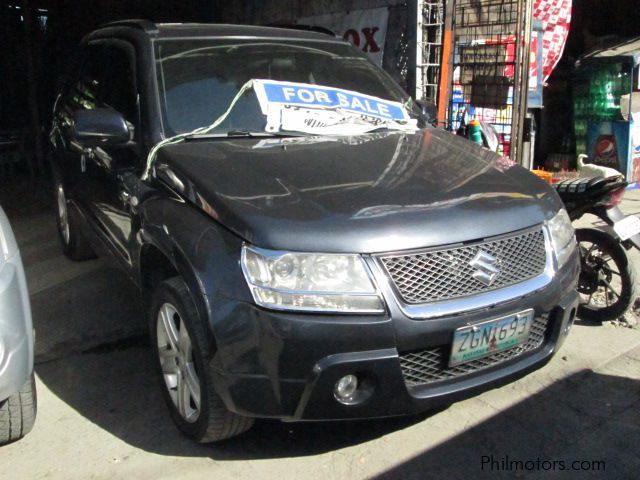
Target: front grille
[
  {"x": 444, "y": 274},
  {"x": 428, "y": 366}
]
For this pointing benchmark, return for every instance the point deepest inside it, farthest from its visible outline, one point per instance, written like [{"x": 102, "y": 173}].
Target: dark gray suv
[{"x": 308, "y": 246}]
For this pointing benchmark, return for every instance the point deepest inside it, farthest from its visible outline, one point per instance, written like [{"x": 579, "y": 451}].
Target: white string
[{"x": 198, "y": 131}]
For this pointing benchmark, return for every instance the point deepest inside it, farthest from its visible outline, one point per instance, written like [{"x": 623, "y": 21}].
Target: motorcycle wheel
[{"x": 607, "y": 283}]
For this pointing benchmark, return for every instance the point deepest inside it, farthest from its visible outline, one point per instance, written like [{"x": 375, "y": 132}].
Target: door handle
[
  {"x": 86, "y": 154},
  {"x": 128, "y": 199}
]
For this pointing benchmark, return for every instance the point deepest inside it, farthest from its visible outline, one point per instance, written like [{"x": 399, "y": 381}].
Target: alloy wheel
[
  {"x": 175, "y": 351},
  {"x": 600, "y": 280},
  {"x": 63, "y": 214}
]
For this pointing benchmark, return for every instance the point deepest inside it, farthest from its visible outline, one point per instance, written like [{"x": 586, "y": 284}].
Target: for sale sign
[
  {"x": 307, "y": 95},
  {"x": 304, "y": 107},
  {"x": 365, "y": 29}
]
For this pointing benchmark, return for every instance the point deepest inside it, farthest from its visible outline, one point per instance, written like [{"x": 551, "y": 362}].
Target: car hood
[{"x": 370, "y": 193}]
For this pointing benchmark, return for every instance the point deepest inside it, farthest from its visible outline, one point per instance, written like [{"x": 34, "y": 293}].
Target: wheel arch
[
  {"x": 157, "y": 264},
  {"x": 183, "y": 240}
]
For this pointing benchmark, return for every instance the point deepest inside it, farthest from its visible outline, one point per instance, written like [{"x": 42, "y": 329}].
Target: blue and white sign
[{"x": 315, "y": 96}]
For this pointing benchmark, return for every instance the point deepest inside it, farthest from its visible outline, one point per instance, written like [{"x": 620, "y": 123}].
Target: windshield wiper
[
  {"x": 246, "y": 134},
  {"x": 240, "y": 133}
]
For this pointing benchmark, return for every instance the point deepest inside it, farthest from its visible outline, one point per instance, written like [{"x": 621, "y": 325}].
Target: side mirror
[
  {"x": 100, "y": 127},
  {"x": 428, "y": 111}
]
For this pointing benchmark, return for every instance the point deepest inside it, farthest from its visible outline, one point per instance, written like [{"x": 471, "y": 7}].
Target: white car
[{"x": 17, "y": 386}]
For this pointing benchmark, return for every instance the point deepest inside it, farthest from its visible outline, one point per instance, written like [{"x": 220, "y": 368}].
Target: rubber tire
[
  {"x": 215, "y": 422},
  {"x": 18, "y": 413},
  {"x": 627, "y": 271},
  {"x": 78, "y": 248}
]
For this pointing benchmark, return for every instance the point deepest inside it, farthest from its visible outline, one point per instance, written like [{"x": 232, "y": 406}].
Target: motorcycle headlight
[
  {"x": 310, "y": 281},
  {"x": 563, "y": 237}
]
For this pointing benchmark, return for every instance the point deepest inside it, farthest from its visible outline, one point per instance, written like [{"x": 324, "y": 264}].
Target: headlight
[
  {"x": 310, "y": 281},
  {"x": 563, "y": 237}
]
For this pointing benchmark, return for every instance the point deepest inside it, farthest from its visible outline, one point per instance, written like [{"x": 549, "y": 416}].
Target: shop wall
[{"x": 258, "y": 12}]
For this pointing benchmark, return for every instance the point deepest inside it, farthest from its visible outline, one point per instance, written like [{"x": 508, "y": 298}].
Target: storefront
[
  {"x": 583, "y": 96},
  {"x": 473, "y": 58}
]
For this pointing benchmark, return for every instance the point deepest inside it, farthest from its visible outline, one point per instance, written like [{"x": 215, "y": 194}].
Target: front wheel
[
  {"x": 180, "y": 342},
  {"x": 607, "y": 283}
]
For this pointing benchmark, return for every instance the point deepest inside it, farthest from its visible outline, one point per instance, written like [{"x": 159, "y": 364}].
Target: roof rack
[{"x": 147, "y": 25}]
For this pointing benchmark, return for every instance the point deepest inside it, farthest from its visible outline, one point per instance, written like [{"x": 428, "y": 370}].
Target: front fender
[{"x": 203, "y": 252}]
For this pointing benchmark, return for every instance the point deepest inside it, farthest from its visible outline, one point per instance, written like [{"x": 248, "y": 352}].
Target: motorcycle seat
[{"x": 588, "y": 185}]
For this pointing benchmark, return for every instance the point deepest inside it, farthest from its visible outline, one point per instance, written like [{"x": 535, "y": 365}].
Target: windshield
[{"x": 198, "y": 79}]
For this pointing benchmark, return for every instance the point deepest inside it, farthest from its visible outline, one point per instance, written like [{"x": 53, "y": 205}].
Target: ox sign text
[
  {"x": 368, "y": 39},
  {"x": 365, "y": 29}
]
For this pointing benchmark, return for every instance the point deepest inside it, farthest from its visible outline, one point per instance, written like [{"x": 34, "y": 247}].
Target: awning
[{"x": 629, "y": 48}]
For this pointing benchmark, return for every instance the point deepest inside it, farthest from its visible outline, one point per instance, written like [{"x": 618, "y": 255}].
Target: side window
[
  {"x": 106, "y": 79},
  {"x": 119, "y": 89},
  {"x": 83, "y": 91},
  {"x": 86, "y": 93}
]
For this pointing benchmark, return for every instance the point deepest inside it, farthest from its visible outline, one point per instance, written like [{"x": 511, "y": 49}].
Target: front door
[{"x": 104, "y": 198}]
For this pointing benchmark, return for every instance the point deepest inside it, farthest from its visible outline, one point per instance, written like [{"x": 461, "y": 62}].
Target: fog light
[{"x": 345, "y": 388}]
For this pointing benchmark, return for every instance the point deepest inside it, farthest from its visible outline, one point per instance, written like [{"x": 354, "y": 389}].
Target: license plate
[
  {"x": 486, "y": 338},
  {"x": 627, "y": 227}
]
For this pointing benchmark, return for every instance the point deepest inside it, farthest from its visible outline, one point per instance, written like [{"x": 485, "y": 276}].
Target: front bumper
[{"x": 285, "y": 365}]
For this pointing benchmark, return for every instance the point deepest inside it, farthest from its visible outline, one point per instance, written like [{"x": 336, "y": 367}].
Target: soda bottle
[{"x": 475, "y": 134}]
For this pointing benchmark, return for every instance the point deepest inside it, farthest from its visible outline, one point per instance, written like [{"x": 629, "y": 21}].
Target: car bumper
[
  {"x": 16, "y": 330},
  {"x": 285, "y": 365}
]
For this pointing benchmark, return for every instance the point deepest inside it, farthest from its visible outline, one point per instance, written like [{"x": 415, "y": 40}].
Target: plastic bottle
[
  {"x": 610, "y": 102},
  {"x": 475, "y": 134}
]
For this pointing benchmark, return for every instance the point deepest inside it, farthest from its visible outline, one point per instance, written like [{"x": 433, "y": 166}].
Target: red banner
[{"x": 556, "y": 14}]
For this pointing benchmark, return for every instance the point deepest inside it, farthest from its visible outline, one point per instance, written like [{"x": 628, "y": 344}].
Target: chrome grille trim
[
  {"x": 431, "y": 365},
  {"x": 473, "y": 301},
  {"x": 447, "y": 273}
]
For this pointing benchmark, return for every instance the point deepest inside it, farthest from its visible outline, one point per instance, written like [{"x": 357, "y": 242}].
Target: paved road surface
[{"x": 101, "y": 415}]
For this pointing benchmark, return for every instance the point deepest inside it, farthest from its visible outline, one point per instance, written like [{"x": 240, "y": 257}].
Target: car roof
[
  {"x": 223, "y": 30},
  {"x": 208, "y": 30}
]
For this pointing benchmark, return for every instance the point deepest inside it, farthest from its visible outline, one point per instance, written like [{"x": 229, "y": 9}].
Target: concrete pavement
[{"x": 101, "y": 414}]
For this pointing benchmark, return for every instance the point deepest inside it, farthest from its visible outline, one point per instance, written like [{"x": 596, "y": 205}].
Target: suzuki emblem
[{"x": 487, "y": 271}]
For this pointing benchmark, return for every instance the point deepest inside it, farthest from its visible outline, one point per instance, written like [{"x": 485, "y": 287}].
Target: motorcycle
[{"x": 607, "y": 282}]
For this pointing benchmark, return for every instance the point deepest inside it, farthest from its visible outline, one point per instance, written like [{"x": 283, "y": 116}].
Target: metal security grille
[
  {"x": 445, "y": 274},
  {"x": 428, "y": 366},
  {"x": 490, "y": 38}
]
